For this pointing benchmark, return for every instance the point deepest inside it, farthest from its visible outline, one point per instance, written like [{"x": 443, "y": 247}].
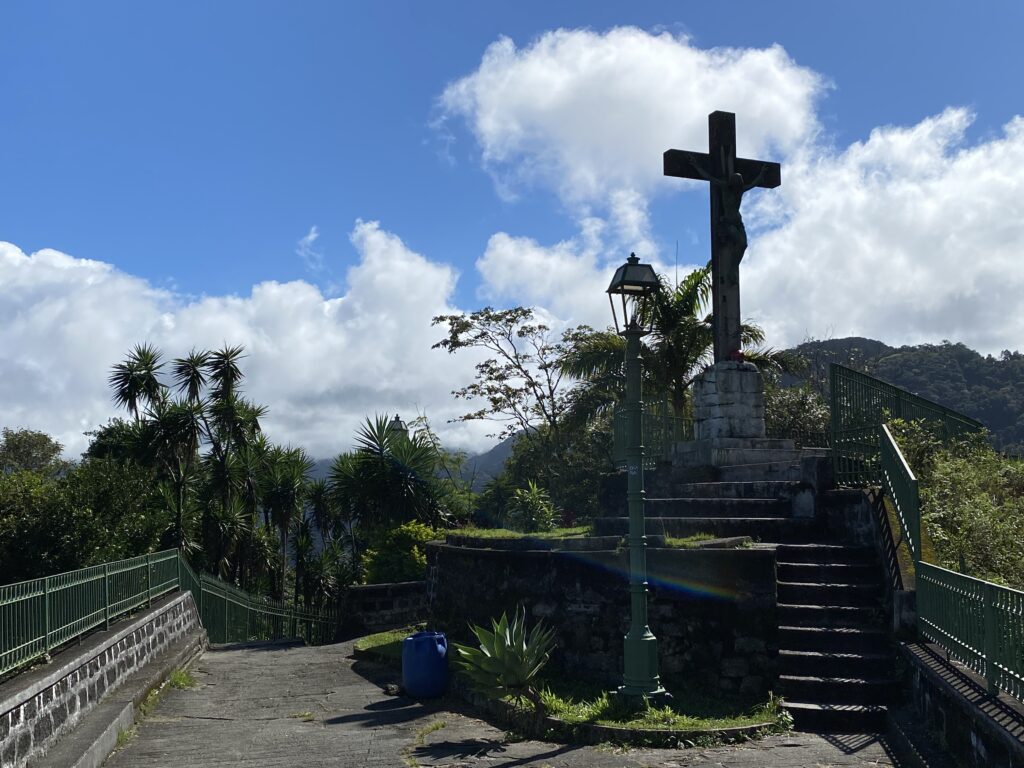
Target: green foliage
[
  {"x": 795, "y": 411},
  {"x": 988, "y": 388},
  {"x": 182, "y": 679},
  {"x": 972, "y": 502},
  {"x": 508, "y": 660},
  {"x": 25, "y": 450},
  {"x": 94, "y": 512},
  {"x": 531, "y": 509},
  {"x": 398, "y": 554},
  {"x": 690, "y": 710}
]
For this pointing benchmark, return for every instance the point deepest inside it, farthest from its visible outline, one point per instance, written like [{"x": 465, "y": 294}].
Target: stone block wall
[
  {"x": 376, "y": 607},
  {"x": 978, "y": 730},
  {"x": 728, "y": 401},
  {"x": 39, "y": 706},
  {"x": 713, "y": 611}
]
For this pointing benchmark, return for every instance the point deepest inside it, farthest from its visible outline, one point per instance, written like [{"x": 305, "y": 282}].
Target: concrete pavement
[{"x": 277, "y": 706}]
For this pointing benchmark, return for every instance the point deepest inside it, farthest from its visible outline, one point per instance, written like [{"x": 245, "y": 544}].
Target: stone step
[
  {"x": 752, "y": 489},
  {"x": 758, "y": 443},
  {"x": 718, "y": 507},
  {"x": 827, "y": 573},
  {"x": 825, "y": 663},
  {"x": 824, "y": 553},
  {"x": 765, "y": 529},
  {"x": 829, "y": 594},
  {"x": 831, "y": 639},
  {"x": 837, "y": 718},
  {"x": 828, "y": 615},
  {"x": 837, "y": 690},
  {"x": 772, "y": 471}
]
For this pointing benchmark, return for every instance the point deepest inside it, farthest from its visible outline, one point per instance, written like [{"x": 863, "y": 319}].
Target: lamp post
[{"x": 632, "y": 283}]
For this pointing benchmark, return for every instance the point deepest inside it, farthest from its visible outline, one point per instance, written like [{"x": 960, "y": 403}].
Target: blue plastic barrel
[{"x": 425, "y": 664}]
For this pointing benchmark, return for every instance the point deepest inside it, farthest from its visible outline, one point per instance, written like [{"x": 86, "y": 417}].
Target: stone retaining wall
[
  {"x": 376, "y": 607},
  {"x": 713, "y": 611},
  {"x": 978, "y": 730},
  {"x": 40, "y": 705}
]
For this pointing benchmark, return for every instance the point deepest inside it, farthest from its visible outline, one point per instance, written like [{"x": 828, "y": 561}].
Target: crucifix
[{"x": 730, "y": 177}]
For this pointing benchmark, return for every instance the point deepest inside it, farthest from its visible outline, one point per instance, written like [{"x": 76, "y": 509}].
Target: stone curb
[
  {"x": 555, "y": 729},
  {"x": 101, "y": 727}
]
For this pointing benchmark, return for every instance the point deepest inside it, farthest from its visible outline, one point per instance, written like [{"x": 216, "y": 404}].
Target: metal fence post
[
  {"x": 225, "y": 616},
  {"x": 46, "y": 611},
  {"x": 106, "y": 596},
  {"x": 149, "y": 581},
  {"x": 991, "y": 639}
]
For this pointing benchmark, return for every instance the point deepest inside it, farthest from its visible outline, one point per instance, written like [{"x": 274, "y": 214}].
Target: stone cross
[{"x": 730, "y": 177}]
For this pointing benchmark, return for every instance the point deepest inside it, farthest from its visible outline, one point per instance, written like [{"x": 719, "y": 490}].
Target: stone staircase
[{"x": 836, "y": 662}]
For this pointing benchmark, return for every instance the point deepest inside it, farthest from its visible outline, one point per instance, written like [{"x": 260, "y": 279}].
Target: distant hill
[
  {"x": 987, "y": 388},
  {"x": 478, "y": 469},
  {"x": 487, "y": 465}
]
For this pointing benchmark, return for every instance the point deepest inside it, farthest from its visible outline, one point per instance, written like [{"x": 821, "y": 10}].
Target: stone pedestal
[
  {"x": 728, "y": 402},
  {"x": 728, "y": 421}
]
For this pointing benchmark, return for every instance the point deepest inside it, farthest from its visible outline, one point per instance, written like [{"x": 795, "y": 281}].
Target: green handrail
[
  {"x": 860, "y": 405},
  {"x": 901, "y": 487},
  {"x": 40, "y": 615},
  {"x": 979, "y": 623}
]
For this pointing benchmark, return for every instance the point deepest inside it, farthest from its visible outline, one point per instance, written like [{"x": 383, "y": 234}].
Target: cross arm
[
  {"x": 697, "y": 165},
  {"x": 687, "y": 165}
]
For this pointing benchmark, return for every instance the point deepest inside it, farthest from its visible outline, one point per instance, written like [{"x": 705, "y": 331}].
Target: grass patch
[
  {"x": 578, "y": 702},
  {"x": 182, "y": 679},
  {"x": 388, "y": 644},
  {"x": 688, "y": 542},
  {"x": 149, "y": 703},
  {"x": 124, "y": 735},
  {"x": 306, "y": 717},
  {"x": 421, "y": 738},
  {"x": 503, "y": 533}
]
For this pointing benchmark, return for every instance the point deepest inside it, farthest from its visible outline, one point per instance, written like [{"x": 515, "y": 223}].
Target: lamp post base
[
  {"x": 641, "y": 681},
  {"x": 640, "y": 700}
]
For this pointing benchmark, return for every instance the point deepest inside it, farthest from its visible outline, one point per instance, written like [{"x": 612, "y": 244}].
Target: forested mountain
[{"x": 990, "y": 389}]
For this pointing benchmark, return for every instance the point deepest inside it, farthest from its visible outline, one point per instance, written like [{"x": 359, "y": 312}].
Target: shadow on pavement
[
  {"x": 851, "y": 743},
  {"x": 487, "y": 749}
]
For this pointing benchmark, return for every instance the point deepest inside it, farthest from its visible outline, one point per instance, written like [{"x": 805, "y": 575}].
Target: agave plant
[{"x": 508, "y": 660}]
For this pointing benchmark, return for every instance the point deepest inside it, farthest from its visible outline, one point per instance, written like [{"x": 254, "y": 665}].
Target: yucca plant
[{"x": 508, "y": 660}]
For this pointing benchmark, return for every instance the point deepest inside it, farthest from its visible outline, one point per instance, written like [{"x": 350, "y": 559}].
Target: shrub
[
  {"x": 398, "y": 554},
  {"x": 972, "y": 502},
  {"x": 531, "y": 510},
  {"x": 508, "y": 662}
]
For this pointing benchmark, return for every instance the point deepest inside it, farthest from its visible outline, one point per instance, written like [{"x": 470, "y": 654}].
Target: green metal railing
[
  {"x": 42, "y": 614},
  {"x": 979, "y": 623},
  {"x": 661, "y": 430},
  {"x": 860, "y": 405},
  {"x": 901, "y": 487}
]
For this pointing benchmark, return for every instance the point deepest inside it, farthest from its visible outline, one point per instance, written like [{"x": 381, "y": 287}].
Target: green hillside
[{"x": 990, "y": 389}]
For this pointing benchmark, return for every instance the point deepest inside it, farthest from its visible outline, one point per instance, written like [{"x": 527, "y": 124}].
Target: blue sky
[{"x": 190, "y": 147}]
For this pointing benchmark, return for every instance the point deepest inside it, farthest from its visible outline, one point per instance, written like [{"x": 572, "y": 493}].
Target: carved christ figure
[{"x": 730, "y": 178}]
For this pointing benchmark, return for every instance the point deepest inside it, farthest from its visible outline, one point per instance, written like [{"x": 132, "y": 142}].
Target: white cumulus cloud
[
  {"x": 911, "y": 236},
  {"x": 320, "y": 364}
]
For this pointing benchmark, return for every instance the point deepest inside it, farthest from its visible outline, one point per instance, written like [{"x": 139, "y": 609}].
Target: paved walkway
[{"x": 274, "y": 706}]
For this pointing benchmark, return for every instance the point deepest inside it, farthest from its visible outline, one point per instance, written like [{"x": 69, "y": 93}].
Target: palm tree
[
  {"x": 283, "y": 495},
  {"x": 175, "y": 432},
  {"x": 136, "y": 381},
  {"x": 678, "y": 350}
]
